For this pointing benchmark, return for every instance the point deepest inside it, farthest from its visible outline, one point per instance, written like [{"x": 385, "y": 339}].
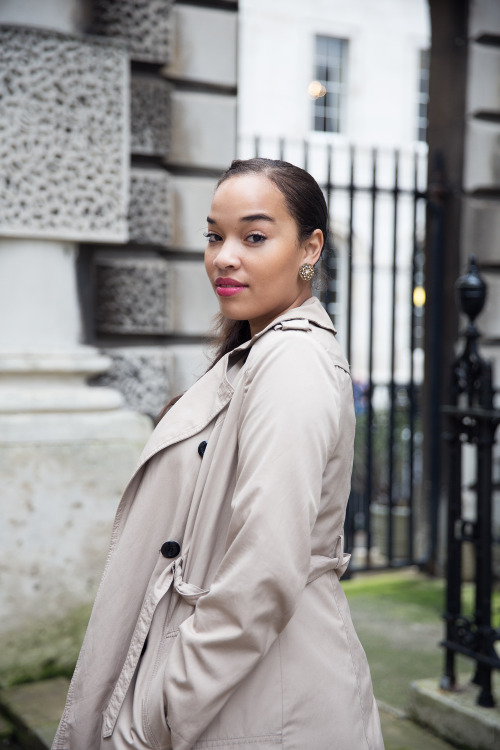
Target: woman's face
[{"x": 253, "y": 253}]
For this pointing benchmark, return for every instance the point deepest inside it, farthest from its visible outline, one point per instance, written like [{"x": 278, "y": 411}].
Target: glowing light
[
  {"x": 316, "y": 89},
  {"x": 419, "y": 296}
]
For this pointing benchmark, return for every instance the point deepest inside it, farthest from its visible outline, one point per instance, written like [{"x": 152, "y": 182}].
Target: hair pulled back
[
  {"x": 306, "y": 204},
  {"x": 303, "y": 196}
]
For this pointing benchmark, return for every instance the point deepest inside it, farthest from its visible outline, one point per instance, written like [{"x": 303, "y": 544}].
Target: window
[
  {"x": 331, "y": 78},
  {"x": 423, "y": 95}
]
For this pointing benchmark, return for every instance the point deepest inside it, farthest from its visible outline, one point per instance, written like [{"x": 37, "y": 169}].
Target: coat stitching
[
  {"x": 146, "y": 701},
  {"x": 282, "y": 691},
  {"x": 131, "y": 660},
  {"x": 275, "y": 739},
  {"x": 362, "y": 706}
]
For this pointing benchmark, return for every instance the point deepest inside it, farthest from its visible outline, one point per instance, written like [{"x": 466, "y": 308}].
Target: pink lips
[{"x": 227, "y": 287}]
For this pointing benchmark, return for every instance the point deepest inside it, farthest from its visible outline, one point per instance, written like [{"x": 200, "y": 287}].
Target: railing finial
[{"x": 471, "y": 291}]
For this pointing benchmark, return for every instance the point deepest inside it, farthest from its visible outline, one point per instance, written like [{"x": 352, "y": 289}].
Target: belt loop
[{"x": 338, "y": 551}]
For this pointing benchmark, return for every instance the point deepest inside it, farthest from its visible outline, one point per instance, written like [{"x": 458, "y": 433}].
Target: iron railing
[
  {"x": 375, "y": 294},
  {"x": 472, "y": 421}
]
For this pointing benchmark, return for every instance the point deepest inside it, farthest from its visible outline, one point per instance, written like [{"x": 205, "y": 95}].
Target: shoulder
[
  {"x": 297, "y": 342},
  {"x": 292, "y": 378},
  {"x": 290, "y": 358}
]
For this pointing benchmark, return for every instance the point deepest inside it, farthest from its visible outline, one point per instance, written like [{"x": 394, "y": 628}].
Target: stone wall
[
  {"x": 116, "y": 119},
  {"x": 182, "y": 135},
  {"x": 63, "y": 136},
  {"x": 463, "y": 217}
]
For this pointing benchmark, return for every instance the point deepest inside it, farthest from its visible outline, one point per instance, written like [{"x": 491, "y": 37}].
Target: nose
[{"x": 227, "y": 255}]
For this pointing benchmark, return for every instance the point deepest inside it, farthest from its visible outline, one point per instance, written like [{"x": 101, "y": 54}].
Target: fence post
[{"x": 472, "y": 419}]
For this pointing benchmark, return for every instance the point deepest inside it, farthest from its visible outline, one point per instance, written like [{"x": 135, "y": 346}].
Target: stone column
[{"x": 66, "y": 448}]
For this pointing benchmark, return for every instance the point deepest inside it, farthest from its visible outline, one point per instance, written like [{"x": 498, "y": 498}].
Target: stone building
[
  {"x": 115, "y": 118},
  {"x": 346, "y": 78},
  {"x": 464, "y": 213}
]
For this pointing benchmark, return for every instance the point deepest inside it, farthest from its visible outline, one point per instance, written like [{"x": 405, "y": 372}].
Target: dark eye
[
  {"x": 212, "y": 237},
  {"x": 255, "y": 238}
]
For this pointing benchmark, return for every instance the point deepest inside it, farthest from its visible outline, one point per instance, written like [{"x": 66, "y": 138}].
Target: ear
[{"x": 312, "y": 247}]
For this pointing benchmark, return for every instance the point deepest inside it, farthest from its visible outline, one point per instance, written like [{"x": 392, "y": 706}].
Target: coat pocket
[
  {"x": 253, "y": 715},
  {"x": 154, "y": 718}
]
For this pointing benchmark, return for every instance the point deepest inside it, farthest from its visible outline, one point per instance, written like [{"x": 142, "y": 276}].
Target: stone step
[
  {"x": 455, "y": 715},
  {"x": 34, "y": 710}
]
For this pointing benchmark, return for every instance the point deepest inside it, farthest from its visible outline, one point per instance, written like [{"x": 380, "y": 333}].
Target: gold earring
[{"x": 306, "y": 272}]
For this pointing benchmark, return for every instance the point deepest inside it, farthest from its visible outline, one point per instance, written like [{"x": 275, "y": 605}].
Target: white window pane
[{"x": 331, "y": 71}]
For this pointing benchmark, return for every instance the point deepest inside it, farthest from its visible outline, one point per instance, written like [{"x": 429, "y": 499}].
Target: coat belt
[{"x": 321, "y": 564}]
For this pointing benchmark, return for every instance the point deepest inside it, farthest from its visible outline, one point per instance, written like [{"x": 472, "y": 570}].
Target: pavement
[
  {"x": 397, "y": 616},
  {"x": 400, "y": 637}
]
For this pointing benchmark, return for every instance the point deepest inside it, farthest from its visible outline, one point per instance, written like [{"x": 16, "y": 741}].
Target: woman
[{"x": 220, "y": 621}]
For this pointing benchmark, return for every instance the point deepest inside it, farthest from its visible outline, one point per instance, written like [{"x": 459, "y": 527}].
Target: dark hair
[
  {"x": 303, "y": 196},
  {"x": 306, "y": 204}
]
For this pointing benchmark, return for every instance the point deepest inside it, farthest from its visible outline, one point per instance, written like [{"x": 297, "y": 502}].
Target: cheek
[{"x": 284, "y": 267}]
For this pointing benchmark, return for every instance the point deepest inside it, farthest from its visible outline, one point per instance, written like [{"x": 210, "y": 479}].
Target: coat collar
[
  {"x": 311, "y": 310},
  {"x": 210, "y": 394}
]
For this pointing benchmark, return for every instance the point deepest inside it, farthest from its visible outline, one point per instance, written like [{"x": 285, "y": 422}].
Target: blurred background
[{"x": 116, "y": 119}]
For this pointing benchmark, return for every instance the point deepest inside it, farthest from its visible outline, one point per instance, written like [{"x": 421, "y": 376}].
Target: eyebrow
[
  {"x": 257, "y": 217},
  {"x": 251, "y": 217}
]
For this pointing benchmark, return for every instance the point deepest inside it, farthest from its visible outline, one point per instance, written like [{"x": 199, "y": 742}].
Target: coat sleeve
[{"x": 287, "y": 430}]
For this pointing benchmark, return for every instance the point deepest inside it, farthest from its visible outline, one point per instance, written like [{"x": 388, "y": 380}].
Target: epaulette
[{"x": 297, "y": 324}]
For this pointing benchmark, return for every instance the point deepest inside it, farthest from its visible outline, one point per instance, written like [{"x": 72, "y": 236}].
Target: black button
[
  {"x": 202, "y": 448},
  {"x": 170, "y": 549}
]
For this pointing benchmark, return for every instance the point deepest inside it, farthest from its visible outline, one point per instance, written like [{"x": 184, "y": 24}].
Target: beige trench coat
[{"x": 244, "y": 637}]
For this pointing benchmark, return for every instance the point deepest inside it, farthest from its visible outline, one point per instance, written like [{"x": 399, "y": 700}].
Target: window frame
[
  {"x": 331, "y": 68},
  {"x": 422, "y": 95}
]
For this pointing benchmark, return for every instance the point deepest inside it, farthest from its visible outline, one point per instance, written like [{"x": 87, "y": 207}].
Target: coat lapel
[{"x": 192, "y": 412}]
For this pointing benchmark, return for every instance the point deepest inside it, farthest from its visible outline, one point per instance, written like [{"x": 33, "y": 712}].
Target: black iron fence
[
  {"x": 374, "y": 291},
  {"x": 472, "y": 422}
]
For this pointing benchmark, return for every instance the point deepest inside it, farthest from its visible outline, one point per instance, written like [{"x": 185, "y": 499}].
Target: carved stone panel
[
  {"x": 150, "y": 215},
  {"x": 150, "y": 116},
  {"x": 63, "y": 136},
  {"x": 143, "y": 375},
  {"x": 143, "y": 24},
  {"x": 133, "y": 295}
]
